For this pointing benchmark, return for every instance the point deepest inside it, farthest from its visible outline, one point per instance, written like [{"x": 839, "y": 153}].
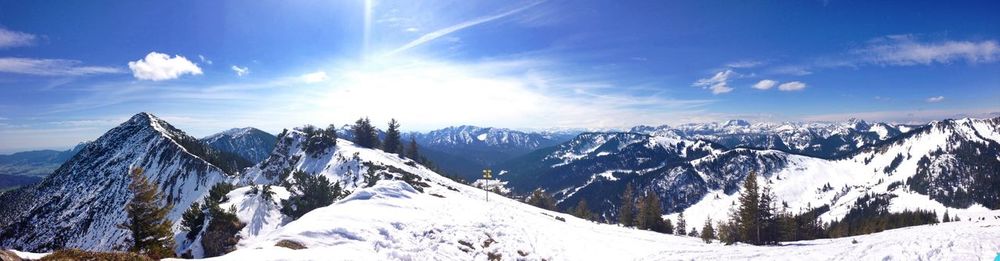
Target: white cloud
[
  {"x": 744, "y": 64},
  {"x": 718, "y": 83},
  {"x": 906, "y": 50},
  {"x": 908, "y": 115},
  {"x": 451, "y": 29},
  {"x": 765, "y": 84},
  {"x": 51, "y": 67},
  {"x": 204, "y": 60},
  {"x": 792, "y": 86},
  {"x": 241, "y": 71},
  {"x": 935, "y": 99},
  {"x": 10, "y": 38},
  {"x": 314, "y": 77},
  {"x": 157, "y": 67}
]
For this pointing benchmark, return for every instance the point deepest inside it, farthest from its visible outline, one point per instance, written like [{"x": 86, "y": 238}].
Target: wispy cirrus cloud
[
  {"x": 745, "y": 64},
  {"x": 718, "y": 83},
  {"x": 51, "y": 67},
  {"x": 935, "y": 99},
  {"x": 457, "y": 27},
  {"x": 314, "y": 77},
  {"x": 895, "y": 50},
  {"x": 906, "y": 50},
  {"x": 10, "y": 38},
  {"x": 240, "y": 71}
]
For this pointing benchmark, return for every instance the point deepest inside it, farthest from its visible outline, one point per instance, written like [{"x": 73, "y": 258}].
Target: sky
[{"x": 69, "y": 71}]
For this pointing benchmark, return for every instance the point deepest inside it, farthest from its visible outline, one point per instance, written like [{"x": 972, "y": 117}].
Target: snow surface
[
  {"x": 392, "y": 221},
  {"x": 449, "y": 221},
  {"x": 29, "y": 255}
]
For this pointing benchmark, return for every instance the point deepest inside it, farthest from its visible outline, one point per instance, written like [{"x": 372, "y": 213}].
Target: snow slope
[
  {"x": 392, "y": 221},
  {"x": 443, "y": 220},
  {"x": 884, "y": 169}
]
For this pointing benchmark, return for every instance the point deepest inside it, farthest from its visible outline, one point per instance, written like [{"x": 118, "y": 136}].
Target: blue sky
[{"x": 69, "y": 71}]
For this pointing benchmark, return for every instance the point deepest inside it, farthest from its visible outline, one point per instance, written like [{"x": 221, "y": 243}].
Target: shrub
[
  {"x": 309, "y": 192},
  {"x": 76, "y": 254}
]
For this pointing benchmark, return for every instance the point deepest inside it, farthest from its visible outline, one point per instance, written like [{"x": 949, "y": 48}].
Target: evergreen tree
[
  {"x": 769, "y": 232},
  {"x": 365, "y": 134},
  {"x": 708, "y": 232},
  {"x": 151, "y": 230},
  {"x": 748, "y": 213},
  {"x": 681, "y": 224},
  {"x": 540, "y": 199},
  {"x": 945, "y": 218},
  {"x": 217, "y": 194},
  {"x": 309, "y": 192},
  {"x": 392, "y": 143},
  {"x": 668, "y": 227},
  {"x": 193, "y": 220},
  {"x": 650, "y": 212},
  {"x": 626, "y": 210},
  {"x": 728, "y": 232},
  {"x": 412, "y": 152},
  {"x": 582, "y": 211},
  {"x": 220, "y": 235},
  {"x": 694, "y": 233}
]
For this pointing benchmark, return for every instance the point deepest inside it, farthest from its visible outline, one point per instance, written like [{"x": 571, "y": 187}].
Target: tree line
[{"x": 755, "y": 218}]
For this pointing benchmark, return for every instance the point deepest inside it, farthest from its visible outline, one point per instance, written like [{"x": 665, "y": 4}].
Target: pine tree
[
  {"x": 708, "y": 232},
  {"x": 769, "y": 232},
  {"x": 412, "y": 152},
  {"x": 193, "y": 220},
  {"x": 681, "y": 224},
  {"x": 748, "y": 213},
  {"x": 728, "y": 231},
  {"x": 626, "y": 210},
  {"x": 393, "y": 144},
  {"x": 542, "y": 200},
  {"x": 668, "y": 227},
  {"x": 582, "y": 211},
  {"x": 945, "y": 218},
  {"x": 309, "y": 192},
  {"x": 151, "y": 230},
  {"x": 365, "y": 134},
  {"x": 650, "y": 212}
]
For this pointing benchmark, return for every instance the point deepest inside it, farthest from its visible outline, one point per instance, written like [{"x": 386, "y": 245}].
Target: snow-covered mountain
[
  {"x": 252, "y": 144},
  {"x": 399, "y": 209},
  {"x": 82, "y": 203},
  {"x": 952, "y": 163},
  {"x": 817, "y": 139},
  {"x": 412, "y": 213},
  {"x": 465, "y": 150}
]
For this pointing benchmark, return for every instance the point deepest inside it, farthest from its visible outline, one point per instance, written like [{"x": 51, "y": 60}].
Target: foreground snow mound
[
  {"x": 393, "y": 221},
  {"x": 967, "y": 240},
  {"x": 447, "y": 221}
]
